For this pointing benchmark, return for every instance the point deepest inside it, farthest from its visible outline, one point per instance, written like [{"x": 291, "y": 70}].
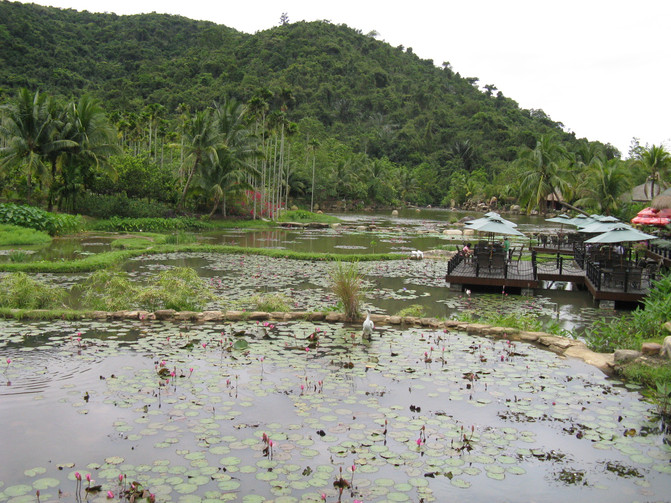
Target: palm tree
[
  {"x": 29, "y": 125},
  {"x": 407, "y": 183},
  {"x": 201, "y": 138},
  {"x": 237, "y": 146},
  {"x": 258, "y": 109},
  {"x": 312, "y": 146},
  {"x": 464, "y": 151},
  {"x": 92, "y": 140},
  {"x": 603, "y": 182},
  {"x": 377, "y": 175},
  {"x": 656, "y": 161},
  {"x": 545, "y": 170}
]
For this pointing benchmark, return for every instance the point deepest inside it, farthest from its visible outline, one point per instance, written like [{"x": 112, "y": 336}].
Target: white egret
[{"x": 368, "y": 326}]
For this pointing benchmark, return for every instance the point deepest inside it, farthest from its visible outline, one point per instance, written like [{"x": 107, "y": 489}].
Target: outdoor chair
[
  {"x": 498, "y": 261},
  {"x": 618, "y": 278},
  {"x": 482, "y": 261},
  {"x": 634, "y": 278}
]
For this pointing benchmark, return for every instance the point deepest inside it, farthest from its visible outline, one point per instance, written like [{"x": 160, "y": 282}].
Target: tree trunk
[
  {"x": 180, "y": 207},
  {"x": 571, "y": 207}
]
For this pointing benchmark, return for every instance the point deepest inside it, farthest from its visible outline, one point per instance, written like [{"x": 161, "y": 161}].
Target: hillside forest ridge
[{"x": 153, "y": 115}]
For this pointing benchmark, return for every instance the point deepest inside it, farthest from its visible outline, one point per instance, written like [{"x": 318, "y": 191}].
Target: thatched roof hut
[
  {"x": 662, "y": 201},
  {"x": 644, "y": 192}
]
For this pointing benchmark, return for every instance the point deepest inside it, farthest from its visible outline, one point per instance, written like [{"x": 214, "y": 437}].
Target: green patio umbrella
[
  {"x": 621, "y": 234},
  {"x": 582, "y": 220},
  {"x": 492, "y": 215},
  {"x": 561, "y": 219},
  {"x": 599, "y": 227},
  {"x": 495, "y": 226}
]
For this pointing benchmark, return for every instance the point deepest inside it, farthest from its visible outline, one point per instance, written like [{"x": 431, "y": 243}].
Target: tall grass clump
[
  {"x": 271, "y": 302},
  {"x": 179, "y": 288},
  {"x": 13, "y": 235},
  {"x": 414, "y": 310},
  {"x": 20, "y": 291},
  {"x": 18, "y": 256},
  {"x": 347, "y": 285},
  {"x": 180, "y": 238},
  {"x": 108, "y": 290}
]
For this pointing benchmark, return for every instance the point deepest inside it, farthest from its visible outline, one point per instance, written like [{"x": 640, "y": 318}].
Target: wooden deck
[{"x": 531, "y": 274}]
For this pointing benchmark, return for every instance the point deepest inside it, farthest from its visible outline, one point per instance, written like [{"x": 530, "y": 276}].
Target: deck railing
[
  {"x": 454, "y": 262},
  {"x": 662, "y": 251},
  {"x": 618, "y": 278}
]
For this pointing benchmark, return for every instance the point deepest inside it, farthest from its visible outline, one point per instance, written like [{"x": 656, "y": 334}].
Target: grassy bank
[
  {"x": 13, "y": 235},
  {"x": 118, "y": 224},
  {"x": 112, "y": 258}
]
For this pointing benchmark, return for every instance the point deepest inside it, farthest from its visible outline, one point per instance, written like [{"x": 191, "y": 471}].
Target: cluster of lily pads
[{"x": 261, "y": 411}]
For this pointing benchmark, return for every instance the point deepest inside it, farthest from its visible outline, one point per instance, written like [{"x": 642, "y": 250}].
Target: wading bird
[{"x": 368, "y": 327}]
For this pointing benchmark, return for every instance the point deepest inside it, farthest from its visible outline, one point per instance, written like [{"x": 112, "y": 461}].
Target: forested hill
[{"x": 378, "y": 99}]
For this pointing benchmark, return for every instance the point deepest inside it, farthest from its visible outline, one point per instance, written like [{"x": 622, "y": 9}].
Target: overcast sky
[{"x": 600, "y": 67}]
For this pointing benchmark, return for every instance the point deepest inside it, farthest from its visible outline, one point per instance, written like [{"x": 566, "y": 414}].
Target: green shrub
[
  {"x": 306, "y": 216},
  {"x": 36, "y": 218},
  {"x": 271, "y": 302},
  {"x": 347, "y": 285},
  {"x": 656, "y": 309},
  {"x": 19, "y": 291},
  {"x": 13, "y": 235},
  {"x": 117, "y": 224},
  {"x": 119, "y": 205},
  {"x": 528, "y": 322},
  {"x": 607, "y": 336},
  {"x": 644, "y": 323}
]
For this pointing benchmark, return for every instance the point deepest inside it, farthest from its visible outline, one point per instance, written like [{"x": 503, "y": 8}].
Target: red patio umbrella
[{"x": 652, "y": 216}]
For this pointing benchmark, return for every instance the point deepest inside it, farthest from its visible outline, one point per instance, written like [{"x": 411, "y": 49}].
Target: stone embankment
[{"x": 561, "y": 345}]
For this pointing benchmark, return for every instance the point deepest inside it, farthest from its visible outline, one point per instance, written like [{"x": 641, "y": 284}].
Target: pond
[
  {"x": 412, "y": 230},
  {"x": 291, "y": 412},
  {"x": 392, "y": 285}
]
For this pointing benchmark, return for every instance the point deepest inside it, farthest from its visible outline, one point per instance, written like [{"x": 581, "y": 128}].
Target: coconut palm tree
[
  {"x": 93, "y": 139},
  {"x": 545, "y": 170},
  {"x": 603, "y": 182},
  {"x": 201, "y": 139},
  {"x": 236, "y": 150},
  {"x": 656, "y": 161},
  {"x": 30, "y": 126}
]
